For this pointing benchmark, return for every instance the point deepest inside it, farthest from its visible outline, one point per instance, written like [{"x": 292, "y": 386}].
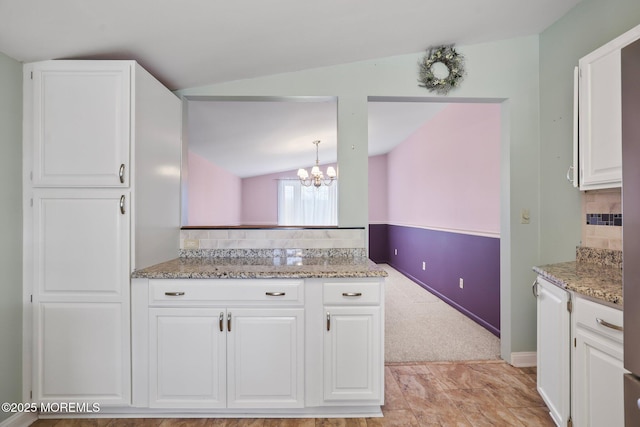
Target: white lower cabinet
[
  {"x": 598, "y": 391},
  {"x": 238, "y": 346},
  {"x": 580, "y": 358},
  {"x": 187, "y": 363},
  {"x": 353, "y": 342},
  {"x": 554, "y": 349},
  {"x": 218, "y": 358},
  {"x": 265, "y": 353},
  {"x": 82, "y": 356},
  {"x": 218, "y": 344},
  {"x": 351, "y": 354}
]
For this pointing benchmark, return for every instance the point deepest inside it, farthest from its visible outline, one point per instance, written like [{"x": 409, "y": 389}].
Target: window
[{"x": 300, "y": 205}]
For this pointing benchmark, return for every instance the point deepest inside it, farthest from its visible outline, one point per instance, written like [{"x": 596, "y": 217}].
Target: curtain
[{"x": 300, "y": 205}]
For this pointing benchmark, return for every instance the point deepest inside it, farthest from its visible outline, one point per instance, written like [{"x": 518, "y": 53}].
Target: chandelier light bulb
[{"x": 316, "y": 178}]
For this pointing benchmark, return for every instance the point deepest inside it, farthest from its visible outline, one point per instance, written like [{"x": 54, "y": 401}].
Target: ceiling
[{"x": 189, "y": 43}]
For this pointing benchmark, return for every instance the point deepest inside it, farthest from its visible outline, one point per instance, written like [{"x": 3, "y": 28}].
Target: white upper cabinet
[
  {"x": 81, "y": 123},
  {"x": 600, "y": 120},
  {"x": 600, "y": 115}
]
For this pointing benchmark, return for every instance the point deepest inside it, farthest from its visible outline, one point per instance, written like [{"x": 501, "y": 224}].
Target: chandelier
[{"x": 317, "y": 178}]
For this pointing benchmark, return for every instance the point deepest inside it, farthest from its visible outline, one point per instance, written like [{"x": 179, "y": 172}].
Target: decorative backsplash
[
  {"x": 604, "y": 219},
  {"x": 602, "y": 216},
  {"x": 270, "y": 239}
]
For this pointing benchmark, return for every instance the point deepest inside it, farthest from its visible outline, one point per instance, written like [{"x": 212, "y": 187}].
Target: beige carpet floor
[{"x": 420, "y": 327}]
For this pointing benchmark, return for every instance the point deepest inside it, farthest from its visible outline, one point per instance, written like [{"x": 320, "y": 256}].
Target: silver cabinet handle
[
  {"x": 534, "y": 289},
  {"x": 221, "y": 321},
  {"x": 275, "y": 294},
  {"x": 608, "y": 325},
  {"x": 569, "y": 173},
  {"x": 121, "y": 173},
  {"x": 328, "y": 321},
  {"x": 352, "y": 294},
  {"x": 122, "y": 205},
  {"x": 174, "y": 294},
  {"x": 229, "y": 322}
]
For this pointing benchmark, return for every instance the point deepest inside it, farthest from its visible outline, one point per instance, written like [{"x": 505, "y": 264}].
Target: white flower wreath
[{"x": 452, "y": 60}]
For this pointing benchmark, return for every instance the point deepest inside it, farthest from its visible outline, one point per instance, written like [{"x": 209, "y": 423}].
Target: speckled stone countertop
[
  {"x": 595, "y": 273},
  {"x": 288, "y": 267}
]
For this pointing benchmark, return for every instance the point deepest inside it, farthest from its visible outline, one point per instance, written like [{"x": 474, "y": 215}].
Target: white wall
[
  {"x": 10, "y": 231},
  {"x": 506, "y": 70}
]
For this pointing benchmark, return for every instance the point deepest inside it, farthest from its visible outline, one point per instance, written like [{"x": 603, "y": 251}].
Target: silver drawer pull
[
  {"x": 352, "y": 294},
  {"x": 608, "y": 325},
  {"x": 275, "y": 294},
  {"x": 174, "y": 294},
  {"x": 122, "y": 211},
  {"x": 221, "y": 321},
  {"x": 121, "y": 173},
  {"x": 328, "y": 321}
]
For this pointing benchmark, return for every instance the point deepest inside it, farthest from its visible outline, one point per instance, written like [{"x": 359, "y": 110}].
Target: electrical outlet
[
  {"x": 525, "y": 216},
  {"x": 191, "y": 244},
  {"x": 461, "y": 283},
  {"x": 424, "y": 265}
]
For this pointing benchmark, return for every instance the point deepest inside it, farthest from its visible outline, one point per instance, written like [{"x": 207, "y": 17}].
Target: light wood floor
[{"x": 471, "y": 394}]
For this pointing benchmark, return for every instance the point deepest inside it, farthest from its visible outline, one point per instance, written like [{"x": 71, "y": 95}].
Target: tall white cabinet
[{"x": 101, "y": 197}]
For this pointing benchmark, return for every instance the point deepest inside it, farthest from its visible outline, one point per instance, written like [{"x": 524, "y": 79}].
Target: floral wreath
[{"x": 451, "y": 59}]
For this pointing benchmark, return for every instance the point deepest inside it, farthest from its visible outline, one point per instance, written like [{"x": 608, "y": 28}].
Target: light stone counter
[
  {"x": 283, "y": 267},
  {"x": 594, "y": 274}
]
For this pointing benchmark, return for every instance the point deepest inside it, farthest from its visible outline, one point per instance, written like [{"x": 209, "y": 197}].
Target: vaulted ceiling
[{"x": 188, "y": 43}]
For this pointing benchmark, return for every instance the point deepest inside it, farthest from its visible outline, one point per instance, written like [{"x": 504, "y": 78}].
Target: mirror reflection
[{"x": 245, "y": 156}]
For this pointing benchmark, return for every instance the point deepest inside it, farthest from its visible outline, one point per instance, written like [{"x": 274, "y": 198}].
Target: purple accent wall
[
  {"x": 449, "y": 257},
  {"x": 379, "y": 243}
]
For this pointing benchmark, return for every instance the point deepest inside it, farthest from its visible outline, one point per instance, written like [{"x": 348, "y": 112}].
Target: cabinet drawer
[
  {"x": 357, "y": 293},
  {"x": 214, "y": 292},
  {"x": 599, "y": 317}
]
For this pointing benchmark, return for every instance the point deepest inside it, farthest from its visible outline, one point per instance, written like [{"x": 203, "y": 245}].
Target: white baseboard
[
  {"x": 524, "y": 359},
  {"x": 22, "y": 419}
]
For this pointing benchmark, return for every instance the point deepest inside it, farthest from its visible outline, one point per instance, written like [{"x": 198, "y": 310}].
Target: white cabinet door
[
  {"x": 266, "y": 358},
  {"x": 81, "y": 123},
  {"x": 81, "y": 244},
  {"x": 598, "y": 379},
  {"x": 600, "y": 120},
  {"x": 598, "y": 371},
  {"x": 554, "y": 350},
  {"x": 82, "y": 353},
  {"x": 187, "y": 366},
  {"x": 352, "y": 354}
]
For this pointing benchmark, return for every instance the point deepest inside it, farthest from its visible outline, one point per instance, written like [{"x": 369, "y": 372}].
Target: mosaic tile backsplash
[{"x": 604, "y": 219}]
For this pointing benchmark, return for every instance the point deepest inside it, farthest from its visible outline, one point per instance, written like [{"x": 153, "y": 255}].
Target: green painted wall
[
  {"x": 10, "y": 231},
  {"x": 586, "y": 27},
  {"x": 504, "y": 71}
]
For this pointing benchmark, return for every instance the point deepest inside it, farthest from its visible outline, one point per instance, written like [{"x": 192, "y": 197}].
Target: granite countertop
[
  {"x": 286, "y": 267},
  {"x": 592, "y": 276}
]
